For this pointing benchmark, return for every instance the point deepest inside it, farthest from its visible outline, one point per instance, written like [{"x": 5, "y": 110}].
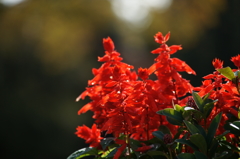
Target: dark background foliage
[{"x": 48, "y": 48}]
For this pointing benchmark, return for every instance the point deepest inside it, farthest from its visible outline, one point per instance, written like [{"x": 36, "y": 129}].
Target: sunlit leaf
[
  {"x": 83, "y": 153},
  {"x": 227, "y": 72}
]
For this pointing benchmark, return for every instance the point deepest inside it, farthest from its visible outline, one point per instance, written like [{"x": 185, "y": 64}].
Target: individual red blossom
[
  {"x": 236, "y": 60},
  {"x": 92, "y": 136},
  {"x": 143, "y": 73},
  {"x": 218, "y": 64},
  {"x": 159, "y": 38},
  {"x": 108, "y": 45}
]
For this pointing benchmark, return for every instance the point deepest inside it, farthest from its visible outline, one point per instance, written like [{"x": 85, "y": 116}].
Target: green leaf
[
  {"x": 173, "y": 121},
  {"x": 178, "y": 108},
  {"x": 158, "y": 134},
  {"x": 200, "y": 155},
  {"x": 205, "y": 98},
  {"x": 134, "y": 144},
  {"x": 157, "y": 153},
  {"x": 170, "y": 112},
  {"x": 193, "y": 129},
  {"x": 202, "y": 131},
  {"x": 229, "y": 146},
  {"x": 213, "y": 128},
  {"x": 239, "y": 113},
  {"x": 198, "y": 100},
  {"x": 213, "y": 148},
  {"x": 223, "y": 134},
  {"x": 207, "y": 109},
  {"x": 186, "y": 156},
  {"x": 187, "y": 142},
  {"x": 227, "y": 72},
  {"x": 222, "y": 155},
  {"x": 233, "y": 127},
  {"x": 112, "y": 152},
  {"x": 83, "y": 153},
  {"x": 164, "y": 129},
  {"x": 200, "y": 142},
  {"x": 191, "y": 114},
  {"x": 105, "y": 142}
]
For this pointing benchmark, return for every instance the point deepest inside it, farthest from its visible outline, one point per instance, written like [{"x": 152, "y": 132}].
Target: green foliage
[{"x": 89, "y": 151}]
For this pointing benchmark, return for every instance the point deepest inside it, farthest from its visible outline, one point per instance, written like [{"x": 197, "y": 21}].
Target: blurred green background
[{"x": 48, "y": 48}]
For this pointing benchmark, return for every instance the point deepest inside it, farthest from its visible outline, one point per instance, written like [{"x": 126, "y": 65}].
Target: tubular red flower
[
  {"x": 218, "y": 64},
  {"x": 236, "y": 60},
  {"x": 108, "y": 44}
]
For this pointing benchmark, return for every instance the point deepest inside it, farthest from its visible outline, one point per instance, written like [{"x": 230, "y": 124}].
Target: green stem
[{"x": 170, "y": 152}]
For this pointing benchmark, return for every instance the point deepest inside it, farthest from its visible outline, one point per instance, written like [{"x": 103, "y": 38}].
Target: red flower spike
[
  {"x": 236, "y": 60},
  {"x": 124, "y": 105},
  {"x": 108, "y": 44},
  {"x": 218, "y": 64}
]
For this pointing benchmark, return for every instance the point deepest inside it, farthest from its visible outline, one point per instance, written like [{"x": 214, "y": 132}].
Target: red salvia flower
[
  {"x": 143, "y": 73},
  {"x": 224, "y": 91},
  {"x": 218, "y": 64},
  {"x": 92, "y": 136},
  {"x": 122, "y": 104},
  {"x": 159, "y": 38},
  {"x": 108, "y": 45},
  {"x": 236, "y": 60}
]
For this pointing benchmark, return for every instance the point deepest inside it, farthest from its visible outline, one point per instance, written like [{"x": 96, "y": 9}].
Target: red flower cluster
[
  {"x": 222, "y": 89},
  {"x": 124, "y": 104}
]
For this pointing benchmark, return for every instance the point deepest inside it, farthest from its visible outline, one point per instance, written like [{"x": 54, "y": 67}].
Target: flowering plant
[{"x": 163, "y": 118}]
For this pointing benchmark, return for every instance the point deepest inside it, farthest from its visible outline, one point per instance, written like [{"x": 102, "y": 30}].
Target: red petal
[
  {"x": 157, "y": 51},
  {"x": 182, "y": 66},
  {"x": 210, "y": 76},
  {"x": 159, "y": 38},
  {"x": 85, "y": 108},
  {"x": 119, "y": 152},
  {"x": 104, "y": 58},
  {"x": 167, "y": 36},
  {"x": 152, "y": 68},
  {"x": 111, "y": 84},
  {"x": 174, "y": 48}
]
